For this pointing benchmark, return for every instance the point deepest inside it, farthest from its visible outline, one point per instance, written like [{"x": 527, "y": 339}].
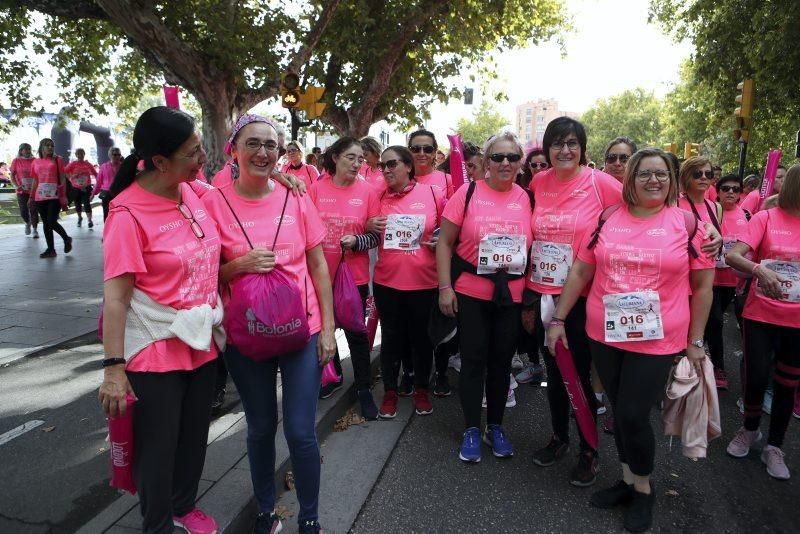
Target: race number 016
[
  {"x": 631, "y": 319},
  {"x": 502, "y": 258}
]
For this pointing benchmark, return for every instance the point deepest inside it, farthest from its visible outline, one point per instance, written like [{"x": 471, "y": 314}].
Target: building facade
[{"x": 533, "y": 117}]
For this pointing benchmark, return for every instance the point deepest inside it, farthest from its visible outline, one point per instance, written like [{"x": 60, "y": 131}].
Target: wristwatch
[{"x": 697, "y": 343}]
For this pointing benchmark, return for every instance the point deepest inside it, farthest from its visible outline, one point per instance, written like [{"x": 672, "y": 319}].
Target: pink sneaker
[
  {"x": 196, "y": 522},
  {"x": 721, "y": 378}
]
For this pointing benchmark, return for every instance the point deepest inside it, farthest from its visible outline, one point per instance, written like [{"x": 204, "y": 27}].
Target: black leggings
[
  {"x": 556, "y": 391},
  {"x": 359, "y": 349},
  {"x": 48, "y": 211},
  {"x": 170, "y": 423},
  {"x": 404, "y": 330},
  {"x": 761, "y": 342},
  {"x": 634, "y": 383},
  {"x": 723, "y": 296},
  {"x": 29, "y": 214},
  {"x": 488, "y": 337},
  {"x": 82, "y": 197}
]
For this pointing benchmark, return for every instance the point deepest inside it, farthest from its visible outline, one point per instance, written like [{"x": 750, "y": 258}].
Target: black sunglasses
[
  {"x": 499, "y": 157},
  {"x": 730, "y": 189},
  {"x": 391, "y": 164},
  {"x": 538, "y": 164},
  {"x": 699, "y": 174},
  {"x": 612, "y": 158},
  {"x": 416, "y": 149}
]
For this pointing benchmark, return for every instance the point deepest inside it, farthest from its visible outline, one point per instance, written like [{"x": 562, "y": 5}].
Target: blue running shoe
[
  {"x": 495, "y": 437},
  {"x": 471, "y": 446}
]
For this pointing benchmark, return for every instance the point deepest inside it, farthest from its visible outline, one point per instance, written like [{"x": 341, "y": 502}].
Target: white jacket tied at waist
[{"x": 148, "y": 322}]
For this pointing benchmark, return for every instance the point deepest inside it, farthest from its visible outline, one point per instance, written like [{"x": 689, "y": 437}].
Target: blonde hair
[
  {"x": 629, "y": 180},
  {"x": 298, "y": 145},
  {"x": 687, "y": 170},
  {"x": 789, "y": 197}
]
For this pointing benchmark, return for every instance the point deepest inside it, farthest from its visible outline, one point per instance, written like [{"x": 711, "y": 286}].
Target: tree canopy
[{"x": 485, "y": 122}]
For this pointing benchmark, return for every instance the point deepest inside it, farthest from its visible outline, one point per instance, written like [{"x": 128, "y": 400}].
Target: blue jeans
[{"x": 300, "y": 378}]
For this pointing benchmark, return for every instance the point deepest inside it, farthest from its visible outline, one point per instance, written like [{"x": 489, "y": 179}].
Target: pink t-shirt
[
  {"x": 565, "y": 212},
  {"x": 80, "y": 173},
  {"x": 711, "y": 193},
  {"x": 147, "y": 235},
  {"x": 638, "y": 255},
  {"x": 224, "y": 176},
  {"x": 301, "y": 230},
  {"x": 489, "y": 212},
  {"x": 374, "y": 178},
  {"x": 409, "y": 270},
  {"x": 752, "y": 201},
  {"x": 734, "y": 227},
  {"x": 774, "y": 234},
  {"x": 21, "y": 172},
  {"x": 307, "y": 173},
  {"x": 46, "y": 172},
  {"x": 438, "y": 179},
  {"x": 105, "y": 177},
  {"x": 345, "y": 211},
  {"x": 200, "y": 187},
  {"x": 704, "y": 209}
]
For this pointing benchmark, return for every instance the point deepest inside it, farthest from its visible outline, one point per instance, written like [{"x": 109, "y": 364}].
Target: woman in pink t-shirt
[
  {"x": 295, "y": 166},
  {"x": 481, "y": 259},
  {"x": 643, "y": 266},
  {"x": 617, "y": 154},
  {"x": 80, "y": 174},
  {"x": 695, "y": 180},
  {"x": 371, "y": 170},
  {"x": 22, "y": 179},
  {"x": 771, "y": 322},
  {"x": 251, "y": 210},
  {"x": 49, "y": 195},
  {"x": 422, "y": 144},
  {"x": 105, "y": 177},
  {"x": 161, "y": 258}
]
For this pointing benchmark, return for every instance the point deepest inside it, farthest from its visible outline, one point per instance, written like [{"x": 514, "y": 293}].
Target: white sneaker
[
  {"x": 739, "y": 447},
  {"x": 517, "y": 363},
  {"x": 601, "y": 405},
  {"x": 35, "y": 234},
  {"x": 455, "y": 362},
  {"x": 511, "y": 400},
  {"x": 773, "y": 459},
  {"x": 483, "y": 404},
  {"x": 512, "y": 383},
  {"x": 27, "y": 229}
]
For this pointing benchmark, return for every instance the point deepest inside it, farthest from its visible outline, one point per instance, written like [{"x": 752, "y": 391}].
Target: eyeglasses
[
  {"x": 644, "y": 176},
  {"x": 416, "y": 149},
  {"x": 391, "y": 164},
  {"x": 291, "y": 150},
  {"x": 612, "y": 158},
  {"x": 254, "y": 145},
  {"x": 730, "y": 189},
  {"x": 699, "y": 174},
  {"x": 512, "y": 158},
  {"x": 187, "y": 214},
  {"x": 538, "y": 164},
  {"x": 572, "y": 145}
]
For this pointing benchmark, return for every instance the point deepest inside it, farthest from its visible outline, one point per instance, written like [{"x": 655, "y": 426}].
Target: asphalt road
[{"x": 425, "y": 488}]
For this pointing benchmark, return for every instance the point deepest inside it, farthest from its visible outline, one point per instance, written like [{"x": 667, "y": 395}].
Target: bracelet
[
  {"x": 755, "y": 268},
  {"x": 554, "y": 318},
  {"x": 556, "y": 322},
  {"x": 108, "y": 362},
  {"x": 442, "y": 288}
]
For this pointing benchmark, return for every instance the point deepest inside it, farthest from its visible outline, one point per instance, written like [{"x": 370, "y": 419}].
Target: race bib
[
  {"x": 80, "y": 181},
  {"x": 403, "y": 232},
  {"x": 634, "y": 316},
  {"x": 47, "y": 191},
  {"x": 27, "y": 183},
  {"x": 499, "y": 251},
  {"x": 550, "y": 263},
  {"x": 727, "y": 246},
  {"x": 789, "y": 272}
]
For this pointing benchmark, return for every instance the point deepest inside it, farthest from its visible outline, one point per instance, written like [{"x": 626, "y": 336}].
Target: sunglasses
[
  {"x": 730, "y": 189},
  {"x": 187, "y": 214},
  {"x": 699, "y": 174},
  {"x": 499, "y": 157},
  {"x": 538, "y": 164},
  {"x": 612, "y": 158},
  {"x": 391, "y": 164},
  {"x": 416, "y": 149},
  {"x": 291, "y": 150}
]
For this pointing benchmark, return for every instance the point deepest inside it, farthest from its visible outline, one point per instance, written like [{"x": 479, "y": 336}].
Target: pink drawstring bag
[
  {"x": 329, "y": 374},
  {"x": 265, "y": 316},
  {"x": 348, "y": 312},
  {"x": 120, "y": 435}
]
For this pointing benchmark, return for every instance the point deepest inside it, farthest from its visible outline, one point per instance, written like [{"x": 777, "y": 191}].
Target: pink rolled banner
[
  {"x": 583, "y": 414},
  {"x": 372, "y": 320},
  {"x": 767, "y": 186},
  {"x": 458, "y": 168},
  {"x": 171, "y": 96}
]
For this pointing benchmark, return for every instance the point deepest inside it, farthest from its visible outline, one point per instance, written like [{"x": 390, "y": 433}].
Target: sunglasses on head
[
  {"x": 730, "y": 189},
  {"x": 612, "y": 158},
  {"x": 416, "y": 149},
  {"x": 499, "y": 157},
  {"x": 699, "y": 174},
  {"x": 391, "y": 164},
  {"x": 538, "y": 164}
]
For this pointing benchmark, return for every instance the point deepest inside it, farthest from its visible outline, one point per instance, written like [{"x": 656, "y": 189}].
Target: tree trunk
[{"x": 219, "y": 113}]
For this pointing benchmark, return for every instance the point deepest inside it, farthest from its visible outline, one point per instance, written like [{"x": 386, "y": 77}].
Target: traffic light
[
  {"x": 290, "y": 90},
  {"x": 744, "y": 110},
  {"x": 691, "y": 150},
  {"x": 310, "y": 102},
  {"x": 671, "y": 147}
]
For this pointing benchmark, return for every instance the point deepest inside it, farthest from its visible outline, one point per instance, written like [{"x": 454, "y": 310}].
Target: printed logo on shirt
[
  {"x": 246, "y": 224},
  {"x": 741, "y": 222},
  {"x": 513, "y": 206},
  {"x": 417, "y": 206},
  {"x": 170, "y": 226},
  {"x": 619, "y": 230},
  {"x": 325, "y": 200},
  {"x": 287, "y": 220},
  {"x": 200, "y": 215},
  {"x": 656, "y": 232},
  {"x": 485, "y": 203},
  {"x": 780, "y": 232},
  {"x": 355, "y": 202},
  {"x": 579, "y": 193},
  {"x": 549, "y": 194}
]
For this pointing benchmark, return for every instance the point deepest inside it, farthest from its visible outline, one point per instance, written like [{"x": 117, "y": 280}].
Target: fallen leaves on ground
[
  {"x": 283, "y": 512},
  {"x": 347, "y": 420},
  {"x": 48, "y": 429},
  {"x": 672, "y": 493}
]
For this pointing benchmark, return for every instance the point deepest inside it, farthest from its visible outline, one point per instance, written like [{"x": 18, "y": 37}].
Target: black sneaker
[
  {"x": 585, "y": 473},
  {"x": 267, "y": 524},
  {"x": 67, "y": 245},
  {"x": 618, "y": 494},
  {"x": 328, "y": 390},
  {"x": 555, "y": 450},
  {"x": 406, "y": 388},
  {"x": 368, "y": 409},
  {"x": 442, "y": 386},
  {"x": 310, "y": 527},
  {"x": 79, "y": 222},
  {"x": 639, "y": 516},
  {"x": 216, "y": 405},
  {"x": 91, "y": 224}
]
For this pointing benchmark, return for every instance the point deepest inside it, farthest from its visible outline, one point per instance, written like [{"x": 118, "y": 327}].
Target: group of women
[{"x": 604, "y": 264}]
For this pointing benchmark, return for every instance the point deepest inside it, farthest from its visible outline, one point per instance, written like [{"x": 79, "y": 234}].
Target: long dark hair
[
  {"x": 336, "y": 149},
  {"x": 41, "y": 147},
  {"x": 405, "y": 156},
  {"x": 160, "y": 131}
]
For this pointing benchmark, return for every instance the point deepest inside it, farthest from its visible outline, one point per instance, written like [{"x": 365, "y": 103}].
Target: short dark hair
[
  {"x": 728, "y": 178},
  {"x": 336, "y": 149},
  {"x": 420, "y": 133},
  {"x": 622, "y": 140},
  {"x": 405, "y": 156},
  {"x": 560, "y": 128}
]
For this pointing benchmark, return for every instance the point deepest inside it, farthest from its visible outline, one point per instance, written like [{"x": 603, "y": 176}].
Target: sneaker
[
  {"x": 585, "y": 472},
  {"x": 455, "y": 362},
  {"x": 422, "y": 402},
  {"x": 216, "y": 405},
  {"x": 740, "y": 405},
  {"x": 442, "y": 386},
  {"x": 483, "y": 402},
  {"x": 618, "y": 494},
  {"x": 511, "y": 400},
  {"x": 601, "y": 405},
  {"x": 512, "y": 382},
  {"x": 267, "y": 524},
  {"x": 739, "y": 447},
  {"x": 48, "y": 254},
  {"x": 309, "y": 527},
  {"x": 35, "y": 233},
  {"x": 517, "y": 363},
  {"x": 495, "y": 437},
  {"x": 773, "y": 458},
  {"x": 91, "y": 224},
  {"x": 721, "y": 378},
  {"x": 27, "y": 229},
  {"x": 328, "y": 390},
  {"x": 80, "y": 221},
  {"x": 471, "y": 446},
  {"x": 555, "y": 450},
  {"x": 608, "y": 425},
  {"x": 67, "y": 245},
  {"x": 196, "y": 522},
  {"x": 389, "y": 405},
  {"x": 531, "y": 374},
  {"x": 639, "y": 516},
  {"x": 796, "y": 410},
  {"x": 368, "y": 409},
  {"x": 766, "y": 406},
  {"x": 406, "y": 388}
]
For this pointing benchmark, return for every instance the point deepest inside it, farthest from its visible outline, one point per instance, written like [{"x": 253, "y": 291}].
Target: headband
[{"x": 243, "y": 121}]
